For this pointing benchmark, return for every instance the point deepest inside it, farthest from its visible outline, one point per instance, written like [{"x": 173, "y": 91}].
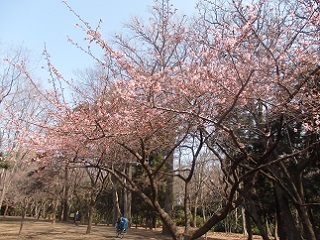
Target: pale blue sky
[{"x": 32, "y": 23}]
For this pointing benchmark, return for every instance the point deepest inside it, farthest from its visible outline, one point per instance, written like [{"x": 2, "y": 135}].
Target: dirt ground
[{"x": 46, "y": 230}]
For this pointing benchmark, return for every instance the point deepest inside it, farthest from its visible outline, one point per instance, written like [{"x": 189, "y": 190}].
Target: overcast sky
[{"x": 32, "y": 23}]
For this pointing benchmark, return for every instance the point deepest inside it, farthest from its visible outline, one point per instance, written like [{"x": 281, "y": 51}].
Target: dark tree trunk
[
  {"x": 248, "y": 225},
  {"x": 252, "y": 211},
  {"x": 65, "y": 203},
  {"x": 187, "y": 211},
  {"x": 287, "y": 228},
  {"x": 303, "y": 210},
  {"x": 127, "y": 197},
  {"x": 168, "y": 204},
  {"x": 306, "y": 223},
  {"x": 167, "y": 220}
]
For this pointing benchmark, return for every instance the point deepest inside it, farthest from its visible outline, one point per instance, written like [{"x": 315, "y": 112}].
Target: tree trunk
[
  {"x": 23, "y": 214},
  {"x": 36, "y": 212},
  {"x": 6, "y": 210},
  {"x": 124, "y": 202},
  {"x": 44, "y": 210},
  {"x": 127, "y": 197},
  {"x": 303, "y": 210},
  {"x": 116, "y": 207},
  {"x": 287, "y": 228},
  {"x": 306, "y": 223},
  {"x": 244, "y": 222},
  {"x": 54, "y": 209},
  {"x": 3, "y": 191},
  {"x": 66, "y": 194},
  {"x": 22, "y": 220},
  {"x": 167, "y": 220},
  {"x": 195, "y": 208},
  {"x": 253, "y": 212},
  {"x": 203, "y": 208},
  {"x": 276, "y": 236},
  {"x": 90, "y": 217},
  {"x": 248, "y": 225},
  {"x": 61, "y": 210},
  {"x": 187, "y": 211},
  {"x": 168, "y": 204},
  {"x": 5, "y": 179}
]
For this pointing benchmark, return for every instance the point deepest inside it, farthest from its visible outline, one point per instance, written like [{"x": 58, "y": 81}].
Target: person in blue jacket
[{"x": 122, "y": 224}]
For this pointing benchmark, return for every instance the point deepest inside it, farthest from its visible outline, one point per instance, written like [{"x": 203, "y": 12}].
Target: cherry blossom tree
[
  {"x": 17, "y": 104},
  {"x": 238, "y": 79},
  {"x": 124, "y": 115},
  {"x": 255, "y": 57}
]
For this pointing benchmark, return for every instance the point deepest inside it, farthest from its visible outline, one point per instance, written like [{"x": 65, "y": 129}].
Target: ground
[{"x": 46, "y": 230}]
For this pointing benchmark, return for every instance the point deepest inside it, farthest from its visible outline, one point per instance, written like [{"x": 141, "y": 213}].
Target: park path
[{"x": 45, "y": 230}]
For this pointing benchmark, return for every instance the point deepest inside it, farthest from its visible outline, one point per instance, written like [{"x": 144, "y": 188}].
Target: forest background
[{"x": 210, "y": 121}]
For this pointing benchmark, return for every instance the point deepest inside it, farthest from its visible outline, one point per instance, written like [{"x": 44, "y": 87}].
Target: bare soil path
[{"x": 46, "y": 230}]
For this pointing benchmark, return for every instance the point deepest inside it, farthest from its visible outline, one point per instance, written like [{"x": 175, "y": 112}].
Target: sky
[{"x": 35, "y": 23}]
